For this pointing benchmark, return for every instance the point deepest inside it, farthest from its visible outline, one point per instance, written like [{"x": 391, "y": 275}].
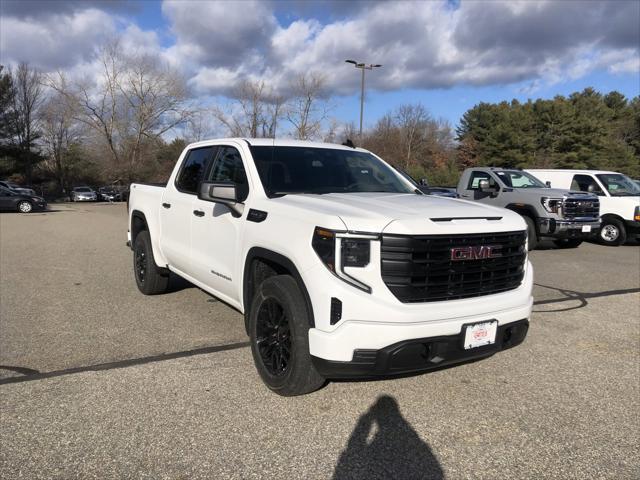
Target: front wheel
[
  {"x": 150, "y": 279},
  {"x": 612, "y": 232},
  {"x": 567, "y": 243},
  {"x": 25, "y": 207},
  {"x": 279, "y": 334},
  {"x": 532, "y": 236}
]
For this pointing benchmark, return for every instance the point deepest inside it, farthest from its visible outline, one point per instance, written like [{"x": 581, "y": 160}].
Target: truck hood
[
  {"x": 551, "y": 192},
  {"x": 407, "y": 213}
]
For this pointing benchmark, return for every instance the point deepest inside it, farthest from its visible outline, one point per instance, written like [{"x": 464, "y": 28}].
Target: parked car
[
  {"x": 341, "y": 268},
  {"x": 84, "y": 194},
  {"x": 619, "y": 199},
  {"x": 439, "y": 191},
  {"x": 424, "y": 187},
  {"x": 17, "y": 188},
  {"x": 566, "y": 217},
  {"x": 20, "y": 202},
  {"x": 108, "y": 194}
]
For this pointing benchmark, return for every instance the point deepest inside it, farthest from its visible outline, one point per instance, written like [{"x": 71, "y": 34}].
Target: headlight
[
  {"x": 636, "y": 214},
  {"x": 343, "y": 249},
  {"x": 551, "y": 205}
]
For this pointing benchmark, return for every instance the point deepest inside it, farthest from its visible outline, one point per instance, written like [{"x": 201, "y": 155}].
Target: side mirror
[
  {"x": 423, "y": 182},
  {"x": 224, "y": 193},
  {"x": 548, "y": 184}
]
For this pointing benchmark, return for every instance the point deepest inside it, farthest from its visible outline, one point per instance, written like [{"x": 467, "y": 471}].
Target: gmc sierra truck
[
  {"x": 565, "y": 216},
  {"x": 341, "y": 267}
]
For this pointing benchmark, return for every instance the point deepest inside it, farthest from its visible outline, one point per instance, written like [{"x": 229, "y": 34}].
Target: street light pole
[{"x": 362, "y": 66}]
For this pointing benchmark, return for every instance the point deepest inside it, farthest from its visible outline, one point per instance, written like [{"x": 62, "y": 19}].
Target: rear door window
[{"x": 193, "y": 169}]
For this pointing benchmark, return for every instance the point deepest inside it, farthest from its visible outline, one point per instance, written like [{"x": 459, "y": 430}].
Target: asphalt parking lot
[{"x": 99, "y": 381}]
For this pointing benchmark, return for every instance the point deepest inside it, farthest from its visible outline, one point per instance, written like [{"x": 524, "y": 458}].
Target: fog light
[{"x": 336, "y": 311}]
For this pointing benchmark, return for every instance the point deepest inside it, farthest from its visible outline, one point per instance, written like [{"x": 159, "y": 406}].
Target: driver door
[
  {"x": 216, "y": 233},
  {"x": 472, "y": 190}
]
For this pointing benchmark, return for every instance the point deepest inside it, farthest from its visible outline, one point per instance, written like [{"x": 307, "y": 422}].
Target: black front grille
[
  {"x": 576, "y": 207},
  {"x": 421, "y": 269}
]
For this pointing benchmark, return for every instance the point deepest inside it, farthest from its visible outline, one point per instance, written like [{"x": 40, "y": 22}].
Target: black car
[{"x": 19, "y": 202}]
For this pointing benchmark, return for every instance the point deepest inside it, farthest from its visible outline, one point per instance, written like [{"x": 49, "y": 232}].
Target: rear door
[
  {"x": 7, "y": 199},
  {"x": 216, "y": 233},
  {"x": 177, "y": 209}
]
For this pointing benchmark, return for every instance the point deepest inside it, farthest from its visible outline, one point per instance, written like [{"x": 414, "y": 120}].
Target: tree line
[{"x": 113, "y": 126}]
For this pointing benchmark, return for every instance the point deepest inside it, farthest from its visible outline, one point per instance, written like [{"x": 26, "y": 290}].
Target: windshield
[
  {"x": 82, "y": 189},
  {"x": 285, "y": 170},
  {"x": 518, "y": 179},
  {"x": 619, "y": 185}
]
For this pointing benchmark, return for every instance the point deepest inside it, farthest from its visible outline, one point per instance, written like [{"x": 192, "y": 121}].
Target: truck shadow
[
  {"x": 384, "y": 445},
  {"x": 177, "y": 283},
  {"x": 573, "y": 296}
]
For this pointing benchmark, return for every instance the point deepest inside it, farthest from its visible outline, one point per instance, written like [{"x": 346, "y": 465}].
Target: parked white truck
[
  {"x": 341, "y": 268},
  {"x": 619, "y": 199}
]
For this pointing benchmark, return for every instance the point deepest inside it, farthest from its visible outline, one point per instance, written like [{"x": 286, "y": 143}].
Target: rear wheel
[
  {"x": 279, "y": 333},
  {"x": 567, "y": 242},
  {"x": 612, "y": 232},
  {"x": 531, "y": 233},
  {"x": 150, "y": 279},
  {"x": 25, "y": 206}
]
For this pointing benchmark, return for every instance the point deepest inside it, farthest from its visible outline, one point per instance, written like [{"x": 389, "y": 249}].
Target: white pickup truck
[{"x": 341, "y": 267}]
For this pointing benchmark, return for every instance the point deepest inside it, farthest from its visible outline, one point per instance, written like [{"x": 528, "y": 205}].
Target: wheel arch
[
  {"x": 526, "y": 211},
  {"x": 261, "y": 263},
  {"x": 613, "y": 215},
  {"x": 138, "y": 224}
]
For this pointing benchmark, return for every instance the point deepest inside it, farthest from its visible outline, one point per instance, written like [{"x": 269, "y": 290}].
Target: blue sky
[{"x": 448, "y": 55}]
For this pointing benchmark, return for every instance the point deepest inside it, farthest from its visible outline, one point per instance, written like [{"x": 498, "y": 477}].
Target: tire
[
  {"x": 25, "y": 206},
  {"x": 567, "y": 243},
  {"x": 612, "y": 232},
  {"x": 531, "y": 233},
  {"x": 150, "y": 279},
  {"x": 279, "y": 334}
]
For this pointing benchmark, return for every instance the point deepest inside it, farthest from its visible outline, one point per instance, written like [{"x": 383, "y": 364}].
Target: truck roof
[
  {"x": 278, "y": 142},
  {"x": 568, "y": 170}
]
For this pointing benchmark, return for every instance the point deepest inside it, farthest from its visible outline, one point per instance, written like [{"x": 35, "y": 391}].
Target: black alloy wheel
[
  {"x": 274, "y": 337},
  {"x": 140, "y": 263},
  {"x": 151, "y": 279}
]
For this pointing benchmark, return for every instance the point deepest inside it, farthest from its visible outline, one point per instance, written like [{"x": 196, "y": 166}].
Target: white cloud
[
  {"x": 421, "y": 44},
  {"x": 56, "y": 41}
]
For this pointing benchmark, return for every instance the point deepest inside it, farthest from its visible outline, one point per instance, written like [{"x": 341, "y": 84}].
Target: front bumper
[
  {"x": 550, "y": 227},
  {"x": 85, "y": 199},
  {"x": 419, "y": 355}
]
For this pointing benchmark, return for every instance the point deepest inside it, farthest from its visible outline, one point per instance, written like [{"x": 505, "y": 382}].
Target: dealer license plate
[
  {"x": 586, "y": 228},
  {"x": 480, "y": 334}
]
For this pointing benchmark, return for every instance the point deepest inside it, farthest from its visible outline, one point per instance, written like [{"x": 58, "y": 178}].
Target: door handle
[
  {"x": 198, "y": 213},
  {"x": 166, "y": 205}
]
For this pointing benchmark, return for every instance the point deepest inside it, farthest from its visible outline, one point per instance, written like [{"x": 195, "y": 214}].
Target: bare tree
[
  {"x": 308, "y": 108},
  {"x": 132, "y": 103},
  {"x": 28, "y": 96},
  {"x": 411, "y": 120},
  {"x": 61, "y": 133},
  {"x": 255, "y": 112}
]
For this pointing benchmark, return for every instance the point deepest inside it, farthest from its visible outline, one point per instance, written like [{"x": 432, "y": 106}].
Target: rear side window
[
  {"x": 192, "y": 169},
  {"x": 228, "y": 167},
  {"x": 474, "y": 181}
]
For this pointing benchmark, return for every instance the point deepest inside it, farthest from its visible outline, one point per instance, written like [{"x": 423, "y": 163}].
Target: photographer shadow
[{"x": 383, "y": 445}]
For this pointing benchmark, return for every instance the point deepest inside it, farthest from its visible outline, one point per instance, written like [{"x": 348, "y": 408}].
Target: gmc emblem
[{"x": 475, "y": 253}]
